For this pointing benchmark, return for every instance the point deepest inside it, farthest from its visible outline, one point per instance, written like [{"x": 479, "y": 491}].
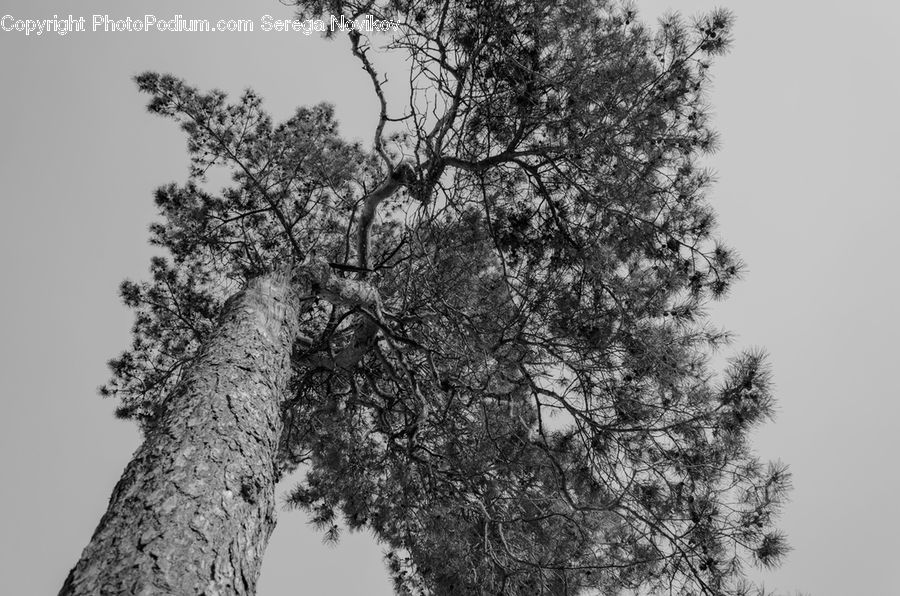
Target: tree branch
[
  {"x": 396, "y": 179},
  {"x": 360, "y": 53}
]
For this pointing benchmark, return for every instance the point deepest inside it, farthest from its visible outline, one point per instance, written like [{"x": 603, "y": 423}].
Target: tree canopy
[{"x": 512, "y": 388}]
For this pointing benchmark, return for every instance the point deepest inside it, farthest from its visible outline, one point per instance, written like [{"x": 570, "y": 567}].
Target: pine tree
[{"x": 491, "y": 346}]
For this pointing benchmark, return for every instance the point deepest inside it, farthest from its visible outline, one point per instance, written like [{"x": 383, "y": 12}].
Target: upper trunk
[{"x": 195, "y": 507}]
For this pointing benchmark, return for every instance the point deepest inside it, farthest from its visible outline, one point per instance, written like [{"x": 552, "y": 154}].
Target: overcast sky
[{"x": 806, "y": 105}]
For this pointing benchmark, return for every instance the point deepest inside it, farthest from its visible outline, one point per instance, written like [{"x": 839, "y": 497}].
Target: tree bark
[{"x": 195, "y": 507}]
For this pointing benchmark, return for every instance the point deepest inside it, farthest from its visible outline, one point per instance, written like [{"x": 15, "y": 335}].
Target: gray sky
[{"x": 806, "y": 105}]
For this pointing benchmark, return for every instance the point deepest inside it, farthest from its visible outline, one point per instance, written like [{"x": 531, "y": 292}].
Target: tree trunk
[{"x": 195, "y": 507}]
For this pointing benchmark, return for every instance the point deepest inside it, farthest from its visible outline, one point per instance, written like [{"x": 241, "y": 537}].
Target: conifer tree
[{"x": 490, "y": 347}]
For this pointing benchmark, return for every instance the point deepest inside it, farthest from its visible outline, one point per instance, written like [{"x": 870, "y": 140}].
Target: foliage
[
  {"x": 527, "y": 407},
  {"x": 293, "y": 176}
]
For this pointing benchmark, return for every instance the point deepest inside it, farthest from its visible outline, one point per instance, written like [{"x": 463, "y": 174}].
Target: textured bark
[{"x": 195, "y": 507}]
